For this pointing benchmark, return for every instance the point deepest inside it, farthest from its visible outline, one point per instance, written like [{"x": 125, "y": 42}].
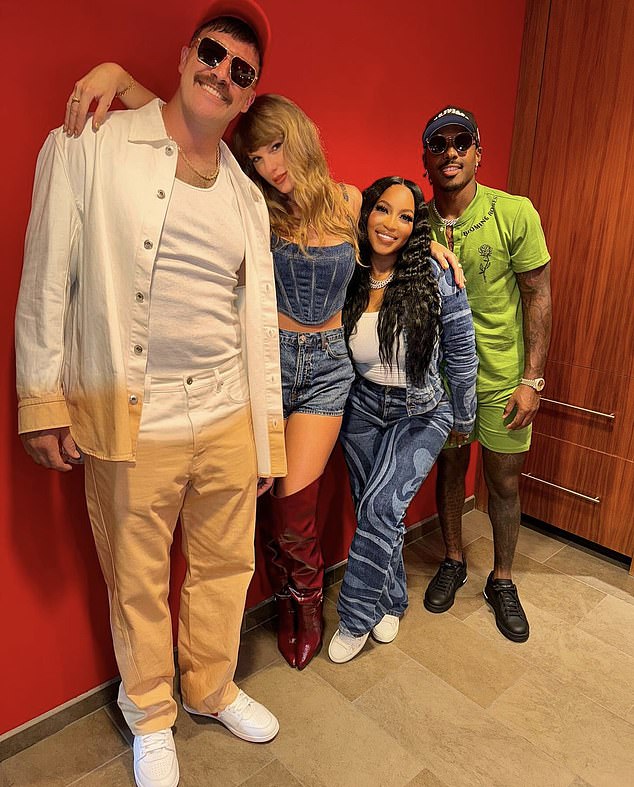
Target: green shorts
[{"x": 490, "y": 430}]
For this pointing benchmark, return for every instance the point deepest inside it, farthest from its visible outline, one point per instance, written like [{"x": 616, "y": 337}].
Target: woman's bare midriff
[{"x": 289, "y": 324}]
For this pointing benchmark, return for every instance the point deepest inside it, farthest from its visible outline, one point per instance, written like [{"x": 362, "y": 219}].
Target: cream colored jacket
[{"x": 99, "y": 203}]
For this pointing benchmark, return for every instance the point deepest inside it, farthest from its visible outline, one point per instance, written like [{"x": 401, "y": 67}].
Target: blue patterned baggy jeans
[{"x": 389, "y": 454}]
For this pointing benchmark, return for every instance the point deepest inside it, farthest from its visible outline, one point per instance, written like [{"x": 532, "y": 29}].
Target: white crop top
[{"x": 364, "y": 345}]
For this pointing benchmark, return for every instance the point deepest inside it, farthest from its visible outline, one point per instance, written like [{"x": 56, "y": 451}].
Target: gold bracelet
[{"x": 125, "y": 89}]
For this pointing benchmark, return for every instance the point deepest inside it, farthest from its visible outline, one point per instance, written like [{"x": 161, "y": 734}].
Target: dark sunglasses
[
  {"x": 460, "y": 142},
  {"x": 211, "y": 53}
]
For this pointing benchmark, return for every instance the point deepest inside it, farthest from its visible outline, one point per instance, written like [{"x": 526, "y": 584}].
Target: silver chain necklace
[
  {"x": 444, "y": 222},
  {"x": 379, "y": 284}
]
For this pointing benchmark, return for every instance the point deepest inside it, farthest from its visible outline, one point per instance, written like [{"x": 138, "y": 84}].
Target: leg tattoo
[{"x": 450, "y": 494}]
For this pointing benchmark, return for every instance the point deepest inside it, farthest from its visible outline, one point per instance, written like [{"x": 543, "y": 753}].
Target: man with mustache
[
  {"x": 499, "y": 240},
  {"x": 131, "y": 354}
]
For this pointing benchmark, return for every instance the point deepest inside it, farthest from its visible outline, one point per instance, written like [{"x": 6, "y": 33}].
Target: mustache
[{"x": 211, "y": 80}]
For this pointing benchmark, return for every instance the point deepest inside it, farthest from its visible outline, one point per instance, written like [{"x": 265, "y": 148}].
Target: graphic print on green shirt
[{"x": 498, "y": 236}]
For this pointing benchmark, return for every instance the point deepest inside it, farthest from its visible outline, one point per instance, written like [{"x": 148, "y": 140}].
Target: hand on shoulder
[
  {"x": 99, "y": 85},
  {"x": 448, "y": 261}
]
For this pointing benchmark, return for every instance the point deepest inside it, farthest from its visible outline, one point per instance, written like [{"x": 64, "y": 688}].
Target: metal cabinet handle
[
  {"x": 563, "y": 488},
  {"x": 611, "y": 416}
]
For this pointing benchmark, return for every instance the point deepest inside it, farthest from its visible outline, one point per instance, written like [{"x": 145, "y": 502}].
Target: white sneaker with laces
[
  {"x": 155, "y": 762},
  {"x": 245, "y": 718},
  {"x": 386, "y": 629},
  {"x": 344, "y": 647}
]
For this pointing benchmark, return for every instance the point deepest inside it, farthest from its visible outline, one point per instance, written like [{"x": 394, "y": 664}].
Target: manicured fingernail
[{"x": 97, "y": 126}]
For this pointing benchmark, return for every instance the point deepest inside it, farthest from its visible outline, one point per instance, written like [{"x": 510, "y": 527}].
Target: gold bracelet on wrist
[{"x": 126, "y": 88}]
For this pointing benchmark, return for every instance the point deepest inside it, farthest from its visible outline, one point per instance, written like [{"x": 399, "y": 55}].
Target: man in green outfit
[{"x": 500, "y": 242}]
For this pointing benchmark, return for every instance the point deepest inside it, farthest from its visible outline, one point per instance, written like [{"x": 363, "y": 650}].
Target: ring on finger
[{"x": 73, "y": 99}]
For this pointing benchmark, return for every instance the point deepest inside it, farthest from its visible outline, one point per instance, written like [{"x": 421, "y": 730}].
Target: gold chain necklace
[{"x": 206, "y": 178}]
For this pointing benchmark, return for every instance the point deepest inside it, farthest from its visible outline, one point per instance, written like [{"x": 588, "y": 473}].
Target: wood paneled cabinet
[
  {"x": 579, "y": 490},
  {"x": 572, "y": 155},
  {"x": 588, "y": 407}
]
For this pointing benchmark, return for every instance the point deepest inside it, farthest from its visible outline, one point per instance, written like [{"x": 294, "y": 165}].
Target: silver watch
[{"x": 537, "y": 384}]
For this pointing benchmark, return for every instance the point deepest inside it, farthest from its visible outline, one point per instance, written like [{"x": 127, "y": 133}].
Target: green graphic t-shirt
[{"x": 497, "y": 236}]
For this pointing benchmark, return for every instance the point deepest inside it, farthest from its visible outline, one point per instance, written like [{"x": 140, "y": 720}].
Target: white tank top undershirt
[
  {"x": 364, "y": 346},
  {"x": 194, "y": 323}
]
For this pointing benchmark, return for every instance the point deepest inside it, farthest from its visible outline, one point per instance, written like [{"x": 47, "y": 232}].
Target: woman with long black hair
[{"x": 408, "y": 326}]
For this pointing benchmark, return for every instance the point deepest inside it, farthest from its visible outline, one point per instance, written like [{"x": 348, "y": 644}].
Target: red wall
[{"x": 370, "y": 74}]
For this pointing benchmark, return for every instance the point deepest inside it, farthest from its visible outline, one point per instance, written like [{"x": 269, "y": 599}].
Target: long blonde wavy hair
[{"x": 321, "y": 206}]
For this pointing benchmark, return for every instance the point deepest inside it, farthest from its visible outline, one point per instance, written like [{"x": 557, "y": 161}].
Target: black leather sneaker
[
  {"x": 510, "y": 618},
  {"x": 441, "y": 591}
]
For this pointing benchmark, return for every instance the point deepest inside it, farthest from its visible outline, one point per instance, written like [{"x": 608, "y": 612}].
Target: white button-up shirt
[{"x": 99, "y": 203}]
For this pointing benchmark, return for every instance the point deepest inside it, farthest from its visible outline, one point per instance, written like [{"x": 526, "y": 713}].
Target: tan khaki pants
[{"x": 196, "y": 458}]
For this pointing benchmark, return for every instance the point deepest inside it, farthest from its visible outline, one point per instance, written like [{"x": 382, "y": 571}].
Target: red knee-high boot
[
  {"x": 278, "y": 573},
  {"x": 297, "y": 538}
]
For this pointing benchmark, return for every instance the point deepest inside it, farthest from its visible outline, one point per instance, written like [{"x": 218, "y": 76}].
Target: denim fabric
[
  {"x": 389, "y": 454},
  {"x": 316, "y": 372},
  {"x": 454, "y": 358},
  {"x": 311, "y": 286}
]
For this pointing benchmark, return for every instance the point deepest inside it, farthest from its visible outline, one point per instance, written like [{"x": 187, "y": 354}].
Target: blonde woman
[{"x": 314, "y": 244}]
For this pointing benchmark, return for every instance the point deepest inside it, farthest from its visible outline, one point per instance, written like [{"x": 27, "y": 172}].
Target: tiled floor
[{"x": 449, "y": 703}]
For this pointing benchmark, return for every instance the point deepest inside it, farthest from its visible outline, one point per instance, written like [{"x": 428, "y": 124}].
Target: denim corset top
[{"x": 311, "y": 286}]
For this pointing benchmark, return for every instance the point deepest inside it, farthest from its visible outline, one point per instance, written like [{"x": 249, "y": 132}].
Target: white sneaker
[
  {"x": 386, "y": 629},
  {"x": 344, "y": 647},
  {"x": 246, "y": 719},
  {"x": 155, "y": 763}
]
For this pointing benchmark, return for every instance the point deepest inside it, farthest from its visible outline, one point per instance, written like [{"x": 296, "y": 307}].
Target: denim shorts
[{"x": 316, "y": 372}]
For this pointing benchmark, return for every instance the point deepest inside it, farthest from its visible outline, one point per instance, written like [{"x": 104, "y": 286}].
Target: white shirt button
[
  {"x": 139, "y": 297},
  {"x": 133, "y": 399},
  {"x": 138, "y": 349},
  {"x": 148, "y": 244},
  {"x": 169, "y": 150},
  {"x": 160, "y": 194}
]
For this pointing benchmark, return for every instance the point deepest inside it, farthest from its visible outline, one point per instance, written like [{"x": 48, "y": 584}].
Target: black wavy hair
[{"x": 411, "y": 301}]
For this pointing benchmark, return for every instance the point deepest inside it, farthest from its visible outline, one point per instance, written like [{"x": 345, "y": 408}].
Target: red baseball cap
[{"x": 248, "y": 11}]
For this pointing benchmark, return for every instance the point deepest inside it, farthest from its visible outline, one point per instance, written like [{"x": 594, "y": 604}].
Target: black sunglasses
[
  {"x": 460, "y": 142},
  {"x": 211, "y": 53}
]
